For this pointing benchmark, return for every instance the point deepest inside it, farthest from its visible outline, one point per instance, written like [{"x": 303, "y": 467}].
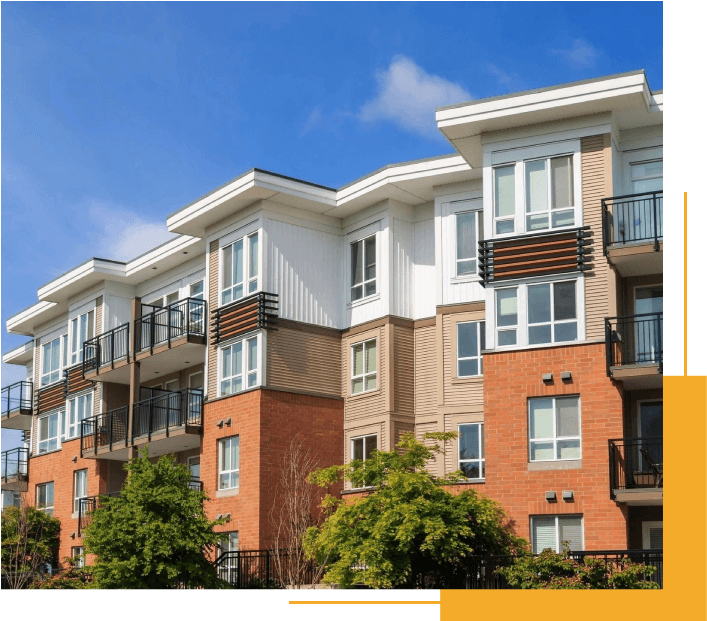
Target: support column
[{"x": 134, "y": 370}]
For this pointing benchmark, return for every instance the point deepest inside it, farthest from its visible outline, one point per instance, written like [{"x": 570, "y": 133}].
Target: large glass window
[
  {"x": 362, "y": 448},
  {"x": 471, "y": 339},
  {"x": 80, "y": 408},
  {"x": 363, "y": 268},
  {"x": 552, "y": 531},
  {"x": 470, "y": 228},
  {"x": 45, "y": 497},
  {"x": 240, "y": 269},
  {"x": 48, "y": 432},
  {"x": 80, "y": 487},
  {"x": 81, "y": 331},
  {"x": 472, "y": 461},
  {"x": 647, "y": 177},
  {"x": 549, "y": 193},
  {"x": 554, "y": 429},
  {"x": 229, "y": 459},
  {"x": 364, "y": 361},
  {"x": 239, "y": 366},
  {"x": 552, "y": 313},
  {"x": 52, "y": 360},
  {"x": 506, "y": 317},
  {"x": 504, "y": 195}
]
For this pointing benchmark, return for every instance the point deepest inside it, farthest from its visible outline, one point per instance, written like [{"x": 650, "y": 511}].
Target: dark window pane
[
  {"x": 356, "y": 293},
  {"x": 468, "y": 367},
  {"x": 370, "y": 258},
  {"x": 506, "y": 307},
  {"x": 371, "y": 445},
  {"x": 565, "y": 301},
  {"x": 539, "y": 304},
  {"x": 565, "y": 332},
  {"x": 356, "y": 263},
  {"x": 466, "y": 267},
  {"x": 539, "y": 334},
  {"x": 357, "y": 448},
  {"x": 505, "y": 226},
  {"x": 507, "y": 337},
  {"x": 469, "y": 442},
  {"x": 370, "y": 288},
  {"x": 466, "y": 235},
  {"x": 467, "y": 340},
  {"x": 470, "y": 469}
]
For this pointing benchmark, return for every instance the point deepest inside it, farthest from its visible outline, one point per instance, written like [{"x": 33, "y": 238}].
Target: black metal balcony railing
[
  {"x": 109, "y": 429},
  {"x": 635, "y": 463},
  {"x": 107, "y": 348},
  {"x": 161, "y": 325},
  {"x": 14, "y": 465},
  {"x": 168, "y": 410},
  {"x": 634, "y": 339},
  {"x": 196, "y": 485},
  {"x": 258, "y": 311},
  {"x": 17, "y": 397},
  {"x": 88, "y": 505},
  {"x": 633, "y": 218}
]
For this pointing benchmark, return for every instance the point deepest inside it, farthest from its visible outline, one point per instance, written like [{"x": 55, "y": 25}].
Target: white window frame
[
  {"x": 555, "y": 438},
  {"x": 77, "y": 334},
  {"x": 198, "y": 296},
  {"x": 59, "y": 431},
  {"x": 646, "y": 532},
  {"x": 229, "y": 547},
  {"x": 548, "y": 167},
  {"x": 63, "y": 345},
  {"x": 73, "y": 430},
  {"x": 78, "y": 497},
  {"x": 482, "y": 452},
  {"x": 366, "y": 374},
  {"x": 480, "y": 336},
  {"x": 511, "y": 327},
  {"x": 49, "y": 509},
  {"x": 553, "y": 322},
  {"x": 78, "y": 552},
  {"x": 364, "y": 282},
  {"x": 246, "y": 371},
  {"x": 231, "y": 471},
  {"x": 558, "y": 543},
  {"x": 249, "y": 282},
  {"x": 364, "y": 440},
  {"x": 514, "y": 217},
  {"x": 478, "y": 225}
]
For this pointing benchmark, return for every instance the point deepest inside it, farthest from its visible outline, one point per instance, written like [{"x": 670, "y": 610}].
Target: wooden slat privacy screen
[
  {"x": 257, "y": 311},
  {"x": 74, "y": 379},
  {"x": 51, "y": 397}
]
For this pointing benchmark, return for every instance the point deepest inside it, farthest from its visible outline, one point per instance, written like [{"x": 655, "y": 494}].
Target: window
[
  {"x": 229, "y": 458},
  {"x": 81, "y": 331},
  {"x": 48, "y": 439},
  {"x": 554, "y": 429},
  {"x": 239, "y": 366},
  {"x": 228, "y": 568},
  {"x": 196, "y": 380},
  {"x": 506, "y": 316},
  {"x": 80, "y": 487},
  {"x": 52, "y": 357},
  {"x": 80, "y": 408},
  {"x": 45, "y": 497},
  {"x": 362, "y": 448},
  {"x": 196, "y": 290},
  {"x": 363, "y": 268},
  {"x": 552, "y": 313},
  {"x": 229, "y": 542},
  {"x": 549, "y": 193},
  {"x": 240, "y": 269},
  {"x": 470, "y": 229},
  {"x": 78, "y": 553},
  {"x": 551, "y": 532},
  {"x": 471, "y": 451},
  {"x": 364, "y": 361},
  {"x": 504, "y": 199},
  {"x": 471, "y": 339},
  {"x": 647, "y": 177}
]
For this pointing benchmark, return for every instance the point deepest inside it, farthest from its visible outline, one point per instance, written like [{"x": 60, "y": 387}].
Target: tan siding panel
[
  {"x": 404, "y": 370},
  {"x": 213, "y": 304},
  {"x": 433, "y": 465},
  {"x": 425, "y": 371}
]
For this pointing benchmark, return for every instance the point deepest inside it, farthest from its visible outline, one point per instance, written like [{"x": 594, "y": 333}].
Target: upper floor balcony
[
  {"x": 17, "y": 406},
  {"x": 636, "y": 470},
  {"x": 108, "y": 355},
  {"x": 168, "y": 422},
  {"x": 14, "y": 469},
  {"x": 633, "y": 233},
  {"x": 634, "y": 350}
]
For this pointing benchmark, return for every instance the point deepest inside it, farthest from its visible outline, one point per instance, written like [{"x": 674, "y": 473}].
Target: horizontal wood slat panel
[{"x": 258, "y": 311}]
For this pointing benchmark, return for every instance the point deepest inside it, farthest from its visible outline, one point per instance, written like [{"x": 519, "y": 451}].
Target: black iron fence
[
  {"x": 634, "y": 339},
  {"x": 17, "y": 397},
  {"x": 168, "y": 410},
  {"x": 88, "y": 505},
  {"x": 255, "y": 569},
  {"x": 14, "y": 465},
  {"x": 635, "y": 463},
  {"x": 109, "y": 429},
  {"x": 633, "y": 218},
  {"x": 107, "y": 348},
  {"x": 160, "y": 325}
]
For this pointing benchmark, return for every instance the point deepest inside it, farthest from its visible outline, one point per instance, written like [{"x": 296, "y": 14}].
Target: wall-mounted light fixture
[
  {"x": 547, "y": 377},
  {"x": 567, "y": 495},
  {"x": 551, "y": 496},
  {"x": 566, "y": 376}
]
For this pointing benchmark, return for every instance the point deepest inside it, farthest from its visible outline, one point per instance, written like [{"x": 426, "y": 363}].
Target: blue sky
[{"x": 116, "y": 114}]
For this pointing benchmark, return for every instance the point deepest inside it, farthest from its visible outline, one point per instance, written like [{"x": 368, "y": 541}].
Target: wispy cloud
[
  {"x": 408, "y": 95},
  {"x": 315, "y": 116},
  {"x": 509, "y": 80},
  {"x": 128, "y": 234},
  {"x": 582, "y": 54}
]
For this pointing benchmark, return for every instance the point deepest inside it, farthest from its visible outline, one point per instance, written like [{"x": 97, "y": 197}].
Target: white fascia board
[
  {"x": 166, "y": 250},
  {"x": 295, "y": 188},
  {"x": 24, "y": 321},
  {"x": 99, "y": 268},
  {"x": 20, "y": 355},
  {"x": 533, "y": 102}
]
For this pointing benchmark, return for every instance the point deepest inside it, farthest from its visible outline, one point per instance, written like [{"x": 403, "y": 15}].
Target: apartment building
[{"x": 511, "y": 292}]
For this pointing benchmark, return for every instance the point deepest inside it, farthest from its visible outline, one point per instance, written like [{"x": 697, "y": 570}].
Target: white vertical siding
[
  {"x": 116, "y": 311},
  {"x": 403, "y": 243},
  {"x": 424, "y": 273}
]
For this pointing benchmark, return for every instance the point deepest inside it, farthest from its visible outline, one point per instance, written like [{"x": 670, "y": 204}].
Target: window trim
[
  {"x": 221, "y": 471},
  {"x": 478, "y": 225},
  {"x": 351, "y": 445},
  {"x": 482, "y": 451},
  {"x": 80, "y": 555},
  {"x": 480, "y": 337},
  {"x": 77, "y": 499},
  {"x": 75, "y": 357},
  {"x": 247, "y": 279},
  {"x": 364, "y": 375},
  {"x": 553, "y": 322},
  {"x": 60, "y": 413},
  {"x": 363, "y": 282},
  {"x": 549, "y": 210},
  {"x": 555, "y": 439},
  {"x": 46, "y": 508},
  {"x": 557, "y": 517},
  {"x": 245, "y": 372},
  {"x": 63, "y": 346},
  {"x": 67, "y": 420}
]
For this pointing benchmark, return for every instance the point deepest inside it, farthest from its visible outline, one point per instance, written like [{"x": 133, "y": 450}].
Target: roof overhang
[
  {"x": 27, "y": 320},
  {"x": 20, "y": 355},
  {"x": 627, "y": 96}
]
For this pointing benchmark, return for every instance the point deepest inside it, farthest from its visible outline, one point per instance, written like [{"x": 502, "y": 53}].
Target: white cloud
[
  {"x": 408, "y": 95},
  {"x": 581, "y": 54},
  {"x": 314, "y": 117},
  {"x": 504, "y": 78},
  {"x": 127, "y": 234}
]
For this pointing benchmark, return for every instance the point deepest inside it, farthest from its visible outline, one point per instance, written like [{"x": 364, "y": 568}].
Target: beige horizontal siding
[
  {"x": 425, "y": 371},
  {"x": 404, "y": 369}
]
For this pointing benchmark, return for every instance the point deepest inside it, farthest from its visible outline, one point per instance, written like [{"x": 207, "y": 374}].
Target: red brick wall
[{"x": 509, "y": 380}]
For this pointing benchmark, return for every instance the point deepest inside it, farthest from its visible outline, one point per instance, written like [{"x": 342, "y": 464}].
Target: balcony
[
  {"x": 167, "y": 338},
  {"x": 633, "y": 233},
  {"x": 636, "y": 471},
  {"x": 88, "y": 505},
  {"x": 17, "y": 406},
  {"x": 107, "y": 355},
  {"x": 634, "y": 350},
  {"x": 14, "y": 470},
  {"x": 106, "y": 435}
]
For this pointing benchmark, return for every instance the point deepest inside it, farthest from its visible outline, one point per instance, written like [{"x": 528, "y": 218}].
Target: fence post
[
  {"x": 656, "y": 245},
  {"x": 612, "y": 469},
  {"x": 659, "y": 330},
  {"x": 95, "y": 436},
  {"x": 110, "y": 432},
  {"x": 267, "y": 569}
]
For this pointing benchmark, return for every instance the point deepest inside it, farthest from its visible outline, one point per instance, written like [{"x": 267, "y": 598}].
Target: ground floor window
[
  {"x": 553, "y": 530},
  {"x": 77, "y": 553},
  {"x": 472, "y": 461}
]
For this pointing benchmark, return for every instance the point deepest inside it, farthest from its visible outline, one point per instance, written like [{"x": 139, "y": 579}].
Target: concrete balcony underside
[
  {"x": 14, "y": 483},
  {"x": 642, "y": 376},
  {"x": 637, "y": 258},
  {"x": 640, "y": 497},
  {"x": 162, "y": 442},
  {"x": 20, "y": 419}
]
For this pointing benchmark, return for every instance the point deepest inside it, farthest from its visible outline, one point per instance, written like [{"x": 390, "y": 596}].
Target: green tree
[
  {"x": 409, "y": 524},
  {"x": 550, "y": 570},
  {"x": 155, "y": 535},
  {"x": 71, "y": 576},
  {"x": 30, "y": 540}
]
